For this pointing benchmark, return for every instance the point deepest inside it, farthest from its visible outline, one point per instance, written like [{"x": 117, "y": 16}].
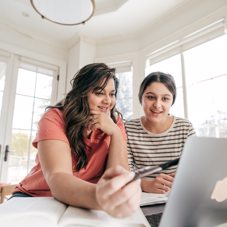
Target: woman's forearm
[
  {"x": 117, "y": 150},
  {"x": 73, "y": 191}
]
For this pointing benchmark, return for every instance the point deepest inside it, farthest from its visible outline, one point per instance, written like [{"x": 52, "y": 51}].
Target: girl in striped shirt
[{"x": 158, "y": 136}]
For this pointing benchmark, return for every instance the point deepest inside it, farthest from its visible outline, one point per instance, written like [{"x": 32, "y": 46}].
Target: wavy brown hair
[{"x": 75, "y": 107}]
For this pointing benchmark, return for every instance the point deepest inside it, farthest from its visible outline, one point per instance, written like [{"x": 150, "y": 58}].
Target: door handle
[{"x": 6, "y": 153}]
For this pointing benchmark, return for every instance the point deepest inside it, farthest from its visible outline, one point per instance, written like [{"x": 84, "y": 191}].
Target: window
[
  {"x": 205, "y": 76},
  {"x": 125, "y": 93}
]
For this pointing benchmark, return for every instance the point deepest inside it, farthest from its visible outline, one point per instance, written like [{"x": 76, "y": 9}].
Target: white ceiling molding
[{"x": 108, "y": 6}]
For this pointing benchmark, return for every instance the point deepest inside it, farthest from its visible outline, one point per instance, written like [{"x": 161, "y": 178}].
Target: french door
[{"x": 26, "y": 89}]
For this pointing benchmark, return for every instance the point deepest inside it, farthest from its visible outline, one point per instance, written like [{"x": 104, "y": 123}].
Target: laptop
[{"x": 198, "y": 197}]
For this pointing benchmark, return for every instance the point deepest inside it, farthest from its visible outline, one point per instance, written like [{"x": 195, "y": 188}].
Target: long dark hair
[
  {"x": 75, "y": 107},
  {"x": 160, "y": 77}
]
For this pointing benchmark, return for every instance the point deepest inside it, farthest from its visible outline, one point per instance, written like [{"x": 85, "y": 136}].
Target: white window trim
[{"x": 188, "y": 41}]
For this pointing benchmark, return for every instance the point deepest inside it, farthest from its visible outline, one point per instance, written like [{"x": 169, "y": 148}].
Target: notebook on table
[
  {"x": 48, "y": 212},
  {"x": 198, "y": 197},
  {"x": 148, "y": 199}
]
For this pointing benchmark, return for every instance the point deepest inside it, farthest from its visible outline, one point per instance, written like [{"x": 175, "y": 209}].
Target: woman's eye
[{"x": 99, "y": 93}]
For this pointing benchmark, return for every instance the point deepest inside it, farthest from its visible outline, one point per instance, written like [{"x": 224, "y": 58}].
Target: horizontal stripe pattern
[{"x": 149, "y": 149}]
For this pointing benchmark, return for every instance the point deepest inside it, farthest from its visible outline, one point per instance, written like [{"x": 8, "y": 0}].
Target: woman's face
[
  {"x": 103, "y": 100},
  {"x": 156, "y": 102}
]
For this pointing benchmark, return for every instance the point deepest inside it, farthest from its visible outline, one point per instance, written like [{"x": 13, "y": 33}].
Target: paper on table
[
  {"x": 153, "y": 198},
  {"x": 48, "y": 212},
  {"x": 31, "y": 211},
  {"x": 96, "y": 218}
]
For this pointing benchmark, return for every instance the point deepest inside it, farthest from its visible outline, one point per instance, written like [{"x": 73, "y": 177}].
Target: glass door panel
[
  {"x": 25, "y": 91},
  {"x": 33, "y": 95}
]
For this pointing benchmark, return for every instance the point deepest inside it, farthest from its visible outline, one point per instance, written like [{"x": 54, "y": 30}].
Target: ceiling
[{"x": 112, "y": 19}]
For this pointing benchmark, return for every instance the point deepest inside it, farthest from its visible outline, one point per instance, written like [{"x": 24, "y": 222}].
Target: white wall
[
  {"x": 81, "y": 53},
  {"x": 19, "y": 44}
]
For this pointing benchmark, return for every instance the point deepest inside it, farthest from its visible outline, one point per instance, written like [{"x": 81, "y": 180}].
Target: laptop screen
[{"x": 198, "y": 197}]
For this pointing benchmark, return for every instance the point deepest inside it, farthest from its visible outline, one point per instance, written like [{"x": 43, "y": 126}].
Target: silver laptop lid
[{"x": 198, "y": 197}]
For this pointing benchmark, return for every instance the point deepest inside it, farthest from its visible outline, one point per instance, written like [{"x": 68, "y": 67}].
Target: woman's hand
[
  {"x": 115, "y": 196},
  {"x": 102, "y": 121},
  {"x": 161, "y": 184}
]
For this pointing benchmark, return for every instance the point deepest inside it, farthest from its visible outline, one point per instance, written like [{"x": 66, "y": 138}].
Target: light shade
[{"x": 65, "y": 12}]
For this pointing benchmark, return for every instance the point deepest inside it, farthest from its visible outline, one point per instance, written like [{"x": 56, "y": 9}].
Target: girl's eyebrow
[{"x": 152, "y": 93}]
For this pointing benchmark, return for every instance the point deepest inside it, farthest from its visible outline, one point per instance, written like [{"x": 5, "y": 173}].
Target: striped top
[{"x": 151, "y": 149}]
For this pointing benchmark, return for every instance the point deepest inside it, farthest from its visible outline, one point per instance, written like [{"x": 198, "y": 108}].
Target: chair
[{"x": 5, "y": 191}]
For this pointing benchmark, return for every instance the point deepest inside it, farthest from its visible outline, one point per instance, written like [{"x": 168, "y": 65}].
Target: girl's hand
[
  {"x": 102, "y": 121},
  {"x": 161, "y": 184},
  {"x": 115, "y": 196}
]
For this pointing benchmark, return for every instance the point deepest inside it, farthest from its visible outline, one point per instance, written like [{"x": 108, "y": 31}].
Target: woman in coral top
[{"x": 82, "y": 154}]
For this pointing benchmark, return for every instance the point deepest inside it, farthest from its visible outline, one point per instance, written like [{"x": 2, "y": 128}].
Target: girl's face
[
  {"x": 103, "y": 100},
  {"x": 156, "y": 102}
]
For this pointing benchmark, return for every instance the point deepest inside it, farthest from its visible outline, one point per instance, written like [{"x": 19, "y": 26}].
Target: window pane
[
  {"x": 39, "y": 109},
  {"x": 26, "y": 82},
  {"x": 23, "y": 111},
  {"x": 43, "y": 86},
  {"x": 177, "y": 108},
  {"x": 124, "y": 96},
  {"x": 206, "y": 73},
  {"x": 18, "y": 155},
  {"x": 206, "y": 61}
]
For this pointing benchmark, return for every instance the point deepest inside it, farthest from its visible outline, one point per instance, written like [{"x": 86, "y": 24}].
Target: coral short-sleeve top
[{"x": 52, "y": 127}]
